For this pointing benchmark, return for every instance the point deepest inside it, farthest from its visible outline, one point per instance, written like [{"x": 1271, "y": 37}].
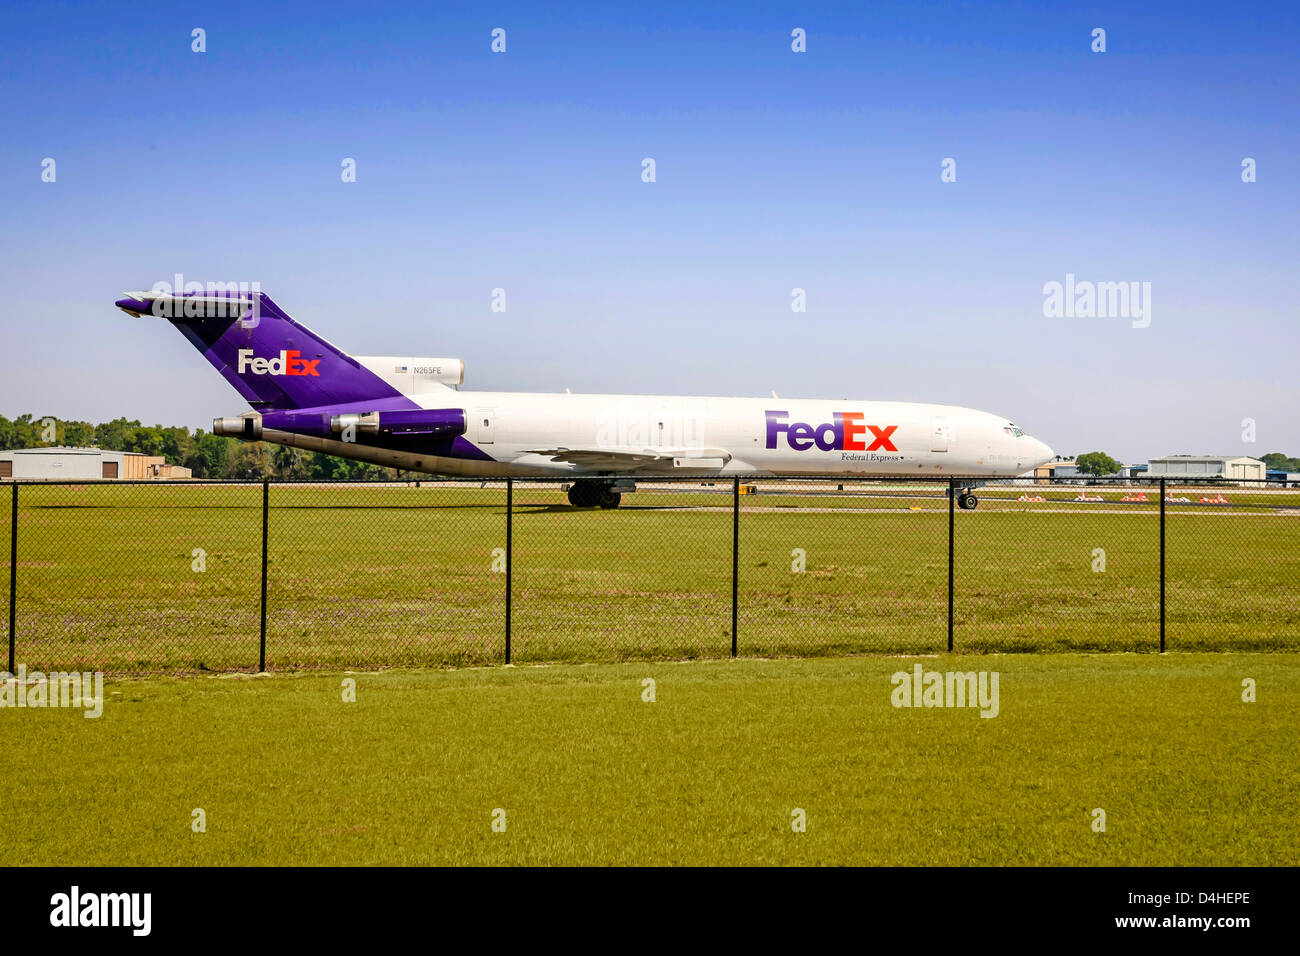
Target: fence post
[
  {"x": 1162, "y": 565},
  {"x": 510, "y": 514},
  {"x": 952, "y": 496},
  {"x": 266, "y": 495},
  {"x": 13, "y": 574},
  {"x": 735, "y": 558}
]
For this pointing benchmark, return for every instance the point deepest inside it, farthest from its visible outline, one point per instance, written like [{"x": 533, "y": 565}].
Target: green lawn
[
  {"x": 375, "y": 576},
  {"x": 710, "y": 773}
]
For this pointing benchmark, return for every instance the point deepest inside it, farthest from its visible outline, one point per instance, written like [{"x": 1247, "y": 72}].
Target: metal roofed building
[
  {"x": 59, "y": 463},
  {"x": 1213, "y": 467}
]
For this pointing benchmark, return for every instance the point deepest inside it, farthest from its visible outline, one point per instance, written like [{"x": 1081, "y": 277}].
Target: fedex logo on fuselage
[
  {"x": 848, "y": 432},
  {"x": 288, "y": 362}
]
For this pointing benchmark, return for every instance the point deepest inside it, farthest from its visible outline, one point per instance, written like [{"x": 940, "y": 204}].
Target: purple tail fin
[{"x": 272, "y": 361}]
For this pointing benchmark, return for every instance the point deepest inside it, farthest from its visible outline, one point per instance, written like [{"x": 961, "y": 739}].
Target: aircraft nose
[{"x": 1045, "y": 453}]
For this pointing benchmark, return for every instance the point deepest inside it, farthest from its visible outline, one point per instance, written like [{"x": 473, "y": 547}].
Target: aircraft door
[
  {"x": 940, "y": 433},
  {"x": 485, "y": 425}
]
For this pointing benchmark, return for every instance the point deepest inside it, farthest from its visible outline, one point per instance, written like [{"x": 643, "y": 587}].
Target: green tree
[
  {"x": 1276, "y": 461},
  {"x": 177, "y": 444},
  {"x": 291, "y": 463},
  {"x": 145, "y": 439},
  {"x": 22, "y": 432},
  {"x": 76, "y": 434},
  {"x": 251, "y": 461},
  {"x": 115, "y": 435},
  {"x": 210, "y": 455},
  {"x": 327, "y": 466},
  {"x": 1097, "y": 463}
]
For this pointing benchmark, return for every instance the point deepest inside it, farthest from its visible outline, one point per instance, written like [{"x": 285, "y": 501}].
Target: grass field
[
  {"x": 392, "y": 576},
  {"x": 586, "y": 772}
]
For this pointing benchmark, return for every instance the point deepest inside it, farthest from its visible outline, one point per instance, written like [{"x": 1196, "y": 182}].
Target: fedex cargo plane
[{"x": 409, "y": 412}]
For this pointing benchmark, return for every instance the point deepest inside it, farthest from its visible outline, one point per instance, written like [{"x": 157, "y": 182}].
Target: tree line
[
  {"x": 205, "y": 454},
  {"x": 216, "y": 456}
]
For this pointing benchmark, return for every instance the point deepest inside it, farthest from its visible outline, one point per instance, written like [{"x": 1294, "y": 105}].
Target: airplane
[{"x": 409, "y": 412}]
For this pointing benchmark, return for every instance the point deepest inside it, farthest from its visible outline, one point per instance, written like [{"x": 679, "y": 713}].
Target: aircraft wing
[{"x": 636, "y": 459}]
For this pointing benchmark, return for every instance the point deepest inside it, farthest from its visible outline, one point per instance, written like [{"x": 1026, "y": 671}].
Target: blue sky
[{"x": 775, "y": 170}]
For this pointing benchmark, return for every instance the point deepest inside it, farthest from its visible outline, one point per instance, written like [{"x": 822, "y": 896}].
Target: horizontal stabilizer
[
  {"x": 168, "y": 306},
  {"x": 274, "y": 362}
]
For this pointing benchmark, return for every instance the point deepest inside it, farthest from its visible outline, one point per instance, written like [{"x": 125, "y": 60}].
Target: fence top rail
[{"x": 703, "y": 480}]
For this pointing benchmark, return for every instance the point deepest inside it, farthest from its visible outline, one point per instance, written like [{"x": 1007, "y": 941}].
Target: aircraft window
[{"x": 1013, "y": 431}]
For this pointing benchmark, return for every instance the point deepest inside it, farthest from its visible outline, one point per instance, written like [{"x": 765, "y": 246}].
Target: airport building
[
  {"x": 1056, "y": 469},
  {"x": 77, "y": 464},
  {"x": 1219, "y": 467}
]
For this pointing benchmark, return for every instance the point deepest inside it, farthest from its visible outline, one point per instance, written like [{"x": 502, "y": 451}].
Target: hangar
[
  {"x": 56, "y": 462},
  {"x": 1221, "y": 467}
]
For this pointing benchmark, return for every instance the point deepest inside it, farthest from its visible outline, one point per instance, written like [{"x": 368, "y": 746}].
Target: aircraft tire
[{"x": 590, "y": 493}]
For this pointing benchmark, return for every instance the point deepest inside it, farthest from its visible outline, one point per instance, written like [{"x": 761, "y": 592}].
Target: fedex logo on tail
[
  {"x": 288, "y": 362},
  {"x": 848, "y": 432}
]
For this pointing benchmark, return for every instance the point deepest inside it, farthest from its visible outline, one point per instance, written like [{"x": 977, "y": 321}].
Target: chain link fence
[{"x": 159, "y": 577}]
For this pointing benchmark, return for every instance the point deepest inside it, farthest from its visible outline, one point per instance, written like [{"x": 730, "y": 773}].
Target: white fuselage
[{"x": 635, "y": 435}]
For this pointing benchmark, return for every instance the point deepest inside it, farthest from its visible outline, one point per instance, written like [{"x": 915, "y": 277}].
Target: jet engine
[{"x": 410, "y": 376}]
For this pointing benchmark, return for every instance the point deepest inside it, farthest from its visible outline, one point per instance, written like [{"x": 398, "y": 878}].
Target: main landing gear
[{"x": 589, "y": 493}]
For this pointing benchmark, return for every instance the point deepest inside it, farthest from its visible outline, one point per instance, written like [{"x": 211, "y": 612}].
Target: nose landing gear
[{"x": 967, "y": 501}]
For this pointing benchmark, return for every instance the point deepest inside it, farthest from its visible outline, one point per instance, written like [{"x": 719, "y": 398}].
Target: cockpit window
[{"x": 1013, "y": 431}]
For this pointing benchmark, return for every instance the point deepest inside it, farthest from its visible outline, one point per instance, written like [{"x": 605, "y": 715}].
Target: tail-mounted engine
[{"x": 424, "y": 422}]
